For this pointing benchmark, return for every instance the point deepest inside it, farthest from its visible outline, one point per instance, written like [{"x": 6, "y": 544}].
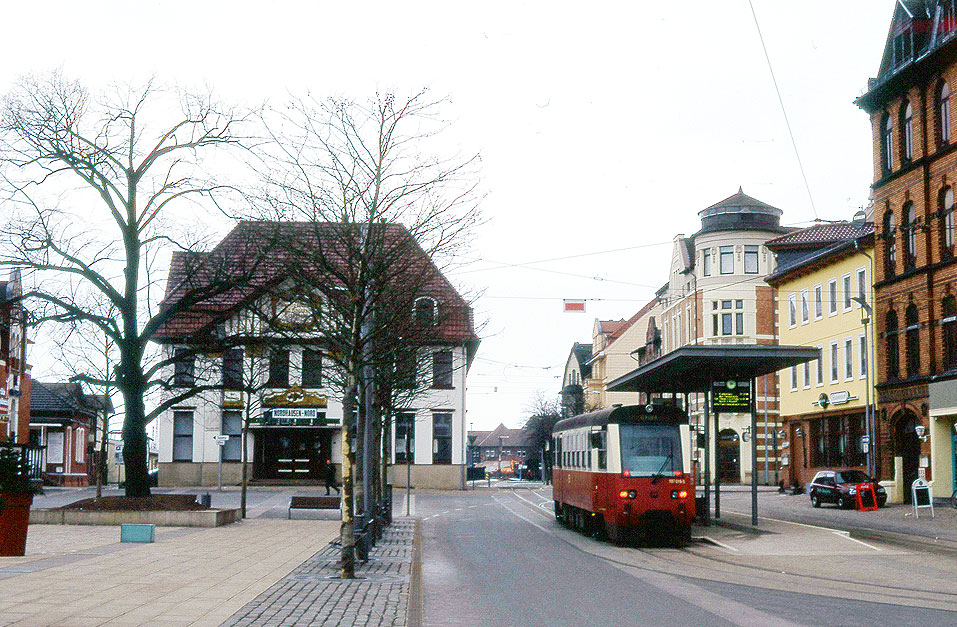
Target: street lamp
[
  {"x": 866, "y": 312},
  {"x": 472, "y": 437}
]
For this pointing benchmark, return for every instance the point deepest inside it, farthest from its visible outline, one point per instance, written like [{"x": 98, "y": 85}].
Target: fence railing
[{"x": 33, "y": 454}]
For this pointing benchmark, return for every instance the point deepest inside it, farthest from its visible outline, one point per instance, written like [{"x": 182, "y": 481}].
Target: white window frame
[
  {"x": 794, "y": 378},
  {"x": 862, "y": 362},
  {"x": 79, "y": 445},
  {"x": 722, "y": 251},
  {"x": 832, "y": 297},
  {"x": 846, "y": 284},
  {"x": 818, "y": 301},
  {"x": 862, "y": 272},
  {"x": 807, "y": 375},
  {"x": 848, "y": 359},
  {"x": 805, "y": 307},
  {"x": 835, "y": 362},
  {"x": 820, "y": 367},
  {"x": 792, "y": 311}
]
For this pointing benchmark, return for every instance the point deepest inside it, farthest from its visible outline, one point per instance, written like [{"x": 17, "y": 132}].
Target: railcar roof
[{"x": 623, "y": 414}]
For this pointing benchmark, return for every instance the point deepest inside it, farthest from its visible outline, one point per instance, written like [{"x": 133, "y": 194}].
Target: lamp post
[
  {"x": 472, "y": 437},
  {"x": 868, "y": 414}
]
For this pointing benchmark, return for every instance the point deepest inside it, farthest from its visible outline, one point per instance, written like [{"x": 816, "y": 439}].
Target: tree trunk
[
  {"x": 245, "y": 479},
  {"x": 135, "y": 452},
  {"x": 346, "y": 531}
]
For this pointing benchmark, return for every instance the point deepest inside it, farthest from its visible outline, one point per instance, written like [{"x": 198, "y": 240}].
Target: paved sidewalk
[
  {"x": 82, "y": 575},
  {"x": 313, "y": 594}
]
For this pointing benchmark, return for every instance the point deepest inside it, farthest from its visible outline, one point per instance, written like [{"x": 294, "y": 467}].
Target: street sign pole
[{"x": 221, "y": 441}]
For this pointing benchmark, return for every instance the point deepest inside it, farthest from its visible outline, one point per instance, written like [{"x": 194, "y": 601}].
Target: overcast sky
[{"x": 602, "y": 126}]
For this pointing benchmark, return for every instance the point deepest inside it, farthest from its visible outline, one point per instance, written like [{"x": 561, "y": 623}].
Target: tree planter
[{"x": 14, "y": 519}]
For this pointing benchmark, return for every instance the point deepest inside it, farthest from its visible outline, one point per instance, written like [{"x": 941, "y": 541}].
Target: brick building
[
  {"x": 14, "y": 369},
  {"x": 915, "y": 168}
]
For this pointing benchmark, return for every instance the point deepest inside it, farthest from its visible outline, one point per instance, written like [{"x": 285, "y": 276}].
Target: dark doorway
[
  {"x": 291, "y": 454},
  {"x": 729, "y": 455},
  {"x": 908, "y": 448}
]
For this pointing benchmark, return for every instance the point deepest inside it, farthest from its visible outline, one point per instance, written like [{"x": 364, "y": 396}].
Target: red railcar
[{"x": 625, "y": 471}]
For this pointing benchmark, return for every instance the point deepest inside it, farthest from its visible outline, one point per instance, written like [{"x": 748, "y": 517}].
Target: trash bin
[{"x": 700, "y": 506}]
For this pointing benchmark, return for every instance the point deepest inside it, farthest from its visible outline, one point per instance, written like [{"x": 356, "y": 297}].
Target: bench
[{"x": 313, "y": 502}]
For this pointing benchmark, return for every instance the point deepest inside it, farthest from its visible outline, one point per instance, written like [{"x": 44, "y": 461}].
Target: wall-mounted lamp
[
  {"x": 746, "y": 434},
  {"x": 920, "y": 431},
  {"x": 782, "y": 434},
  {"x": 799, "y": 432}
]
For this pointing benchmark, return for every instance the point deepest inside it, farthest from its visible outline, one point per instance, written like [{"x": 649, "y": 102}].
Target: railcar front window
[{"x": 647, "y": 450}]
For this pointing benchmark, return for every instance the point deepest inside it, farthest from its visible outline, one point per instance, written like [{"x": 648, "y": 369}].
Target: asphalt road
[{"x": 497, "y": 557}]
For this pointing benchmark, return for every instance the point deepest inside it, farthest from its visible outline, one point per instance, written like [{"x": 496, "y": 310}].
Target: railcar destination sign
[{"x": 731, "y": 396}]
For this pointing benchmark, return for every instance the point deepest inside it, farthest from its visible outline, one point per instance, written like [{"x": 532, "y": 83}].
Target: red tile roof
[
  {"x": 257, "y": 256},
  {"x": 618, "y": 332},
  {"x": 818, "y": 234}
]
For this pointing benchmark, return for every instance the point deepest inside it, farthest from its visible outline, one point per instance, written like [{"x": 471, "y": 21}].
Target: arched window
[
  {"x": 426, "y": 311},
  {"x": 948, "y": 324},
  {"x": 907, "y": 131},
  {"x": 912, "y": 338},
  {"x": 909, "y": 232},
  {"x": 946, "y": 212},
  {"x": 890, "y": 243},
  {"x": 943, "y": 113},
  {"x": 887, "y": 143},
  {"x": 893, "y": 348}
]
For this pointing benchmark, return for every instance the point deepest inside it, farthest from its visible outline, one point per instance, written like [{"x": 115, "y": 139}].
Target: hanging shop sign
[
  {"x": 731, "y": 396},
  {"x": 294, "y": 417}
]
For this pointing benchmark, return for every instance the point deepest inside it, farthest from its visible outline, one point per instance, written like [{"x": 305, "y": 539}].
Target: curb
[
  {"x": 414, "y": 612},
  {"x": 913, "y": 542}
]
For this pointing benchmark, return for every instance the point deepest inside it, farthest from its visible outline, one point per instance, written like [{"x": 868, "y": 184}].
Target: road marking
[
  {"x": 720, "y": 544},
  {"x": 839, "y": 532},
  {"x": 847, "y": 534}
]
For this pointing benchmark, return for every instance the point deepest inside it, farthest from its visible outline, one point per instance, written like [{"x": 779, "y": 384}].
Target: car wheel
[
  {"x": 815, "y": 501},
  {"x": 841, "y": 503}
]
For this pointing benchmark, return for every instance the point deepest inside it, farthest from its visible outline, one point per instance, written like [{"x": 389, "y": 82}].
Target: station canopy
[{"x": 693, "y": 368}]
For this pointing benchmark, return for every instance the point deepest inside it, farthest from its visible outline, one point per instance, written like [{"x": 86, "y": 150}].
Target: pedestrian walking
[{"x": 330, "y": 473}]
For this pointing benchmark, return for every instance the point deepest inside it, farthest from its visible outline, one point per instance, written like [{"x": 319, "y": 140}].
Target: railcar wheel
[{"x": 615, "y": 534}]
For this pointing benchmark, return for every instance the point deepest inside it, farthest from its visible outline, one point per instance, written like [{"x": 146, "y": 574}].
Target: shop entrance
[
  {"x": 908, "y": 448},
  {"x": 291, "y": 454},
  {"x": 729, "y": 454}
]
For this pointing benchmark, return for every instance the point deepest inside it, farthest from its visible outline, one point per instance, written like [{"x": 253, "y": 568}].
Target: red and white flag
[{"x": 575, "y": 305}]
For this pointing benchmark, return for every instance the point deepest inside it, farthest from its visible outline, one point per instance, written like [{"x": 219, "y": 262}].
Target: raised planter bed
[
  {"x": 162, "y": 510},
  {"x": 197, "y": 518}
]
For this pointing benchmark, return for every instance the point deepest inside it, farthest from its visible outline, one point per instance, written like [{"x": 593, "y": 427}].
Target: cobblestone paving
[{"x": 313, "y": 594}]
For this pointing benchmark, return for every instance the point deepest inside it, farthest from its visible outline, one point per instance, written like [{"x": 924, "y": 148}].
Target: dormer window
[
  {"x": 903, "y": 45},
  {"x": 907, "y": 131},
  {"x": 426, "y": 311}
]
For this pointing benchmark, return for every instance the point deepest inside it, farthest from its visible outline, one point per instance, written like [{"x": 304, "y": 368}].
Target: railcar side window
[{"x": 603, "y": 450}]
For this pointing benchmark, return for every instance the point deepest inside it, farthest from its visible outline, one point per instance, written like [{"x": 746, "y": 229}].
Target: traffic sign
[{"x": 221, "y": 439}]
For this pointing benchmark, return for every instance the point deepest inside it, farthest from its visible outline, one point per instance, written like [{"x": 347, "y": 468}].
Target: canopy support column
[{"x": 754, "y": 454}]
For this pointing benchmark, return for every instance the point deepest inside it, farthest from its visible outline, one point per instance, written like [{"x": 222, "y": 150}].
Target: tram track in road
[{"x": 692, "y": 563}]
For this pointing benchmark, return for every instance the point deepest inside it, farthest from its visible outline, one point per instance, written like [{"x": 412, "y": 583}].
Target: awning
[{"x": 693, "y": 368}]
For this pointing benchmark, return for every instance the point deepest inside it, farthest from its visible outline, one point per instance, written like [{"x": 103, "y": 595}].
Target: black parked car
[{"x": 840, "y": 487}]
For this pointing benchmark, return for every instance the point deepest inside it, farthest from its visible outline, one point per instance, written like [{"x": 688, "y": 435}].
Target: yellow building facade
[{"x": 824, "y": 272}]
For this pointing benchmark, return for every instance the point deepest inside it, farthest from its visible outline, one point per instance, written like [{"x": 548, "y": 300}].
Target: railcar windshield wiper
[{"x": 669, "y": 459}]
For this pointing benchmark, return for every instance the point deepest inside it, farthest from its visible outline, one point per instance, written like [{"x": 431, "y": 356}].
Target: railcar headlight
[
  {"x": 683, "y": 494},
  {"x": 623, "y": 494},
  {"x": 632, "y": 494}
]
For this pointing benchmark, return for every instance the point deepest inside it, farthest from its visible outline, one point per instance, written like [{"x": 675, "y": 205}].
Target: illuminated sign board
[
  {"x": 731, "y": 396},
  {"x": 294, "y": 417}
]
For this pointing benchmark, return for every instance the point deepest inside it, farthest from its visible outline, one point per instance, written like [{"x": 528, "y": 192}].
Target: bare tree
[
  {"x": 362, "y": 177},
  {"x": 543, "y": 414},
  {"x": 97, "y": 190}
]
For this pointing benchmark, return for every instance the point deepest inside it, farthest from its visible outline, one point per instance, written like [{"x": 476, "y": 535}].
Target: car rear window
[{"x": 852, "y": 476}]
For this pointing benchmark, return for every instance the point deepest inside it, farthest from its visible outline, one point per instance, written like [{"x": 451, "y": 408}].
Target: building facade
[
  {"x": 575, "y": 379},
  {"x": 821, "y": 270},
  {"x": 287, "y": 390},
  {"x": 915, "y": 168},
  {"x": 68, "y": 424},
  {"x": 14, "y": 367},
  {"x": 717, "y": 294}
]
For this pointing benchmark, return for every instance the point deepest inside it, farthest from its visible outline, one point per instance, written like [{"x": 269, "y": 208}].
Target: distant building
[
  {"x": 502, "y": 443},
  {"x": 574, "y": 379},
  {"x": 68, "y": 423},
  {"x": 820, "y": 270},
  {"x": 914, "y": 139}
]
